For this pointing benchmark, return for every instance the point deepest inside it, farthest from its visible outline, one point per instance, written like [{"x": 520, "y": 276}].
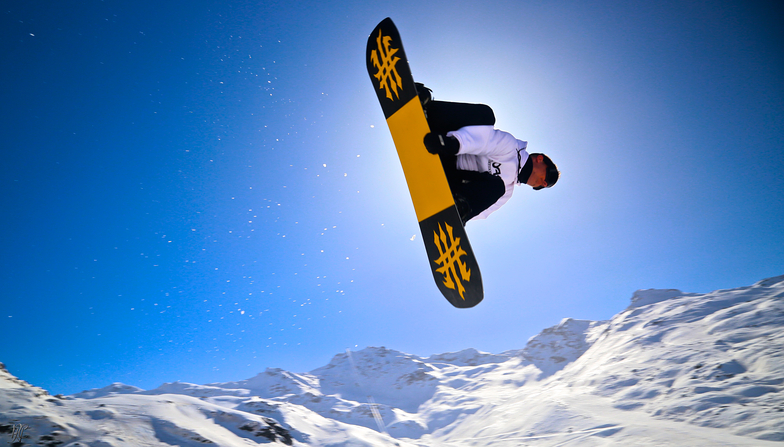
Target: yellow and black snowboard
[{"x": 454, "y": 266}]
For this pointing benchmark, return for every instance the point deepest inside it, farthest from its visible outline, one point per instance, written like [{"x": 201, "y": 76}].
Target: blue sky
[{"x": 200, "y": 190}]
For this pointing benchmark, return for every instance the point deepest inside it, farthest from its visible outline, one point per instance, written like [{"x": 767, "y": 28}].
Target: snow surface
[{"x": 674, "y": 368}]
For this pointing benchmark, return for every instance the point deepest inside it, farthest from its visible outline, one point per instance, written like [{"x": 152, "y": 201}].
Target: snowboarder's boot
[
  {"x": 463, "y": 208},
  {"x": 425, "y": 95}
]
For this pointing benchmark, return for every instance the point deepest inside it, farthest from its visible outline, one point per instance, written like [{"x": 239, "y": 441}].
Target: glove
[{"x": 438, "y": 143}]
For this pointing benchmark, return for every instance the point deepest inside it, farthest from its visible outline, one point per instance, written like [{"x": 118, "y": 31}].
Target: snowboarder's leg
[
  {"x": 479, "y": 189},
  {"x": 473, "y": 191},
  {"x": 445, "y": 116}
]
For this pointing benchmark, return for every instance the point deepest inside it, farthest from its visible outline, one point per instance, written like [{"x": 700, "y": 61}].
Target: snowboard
[{"x": 450, "y": 256}]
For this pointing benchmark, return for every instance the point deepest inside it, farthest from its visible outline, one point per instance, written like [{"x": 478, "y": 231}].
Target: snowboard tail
[{"x": 452, "y": 260}]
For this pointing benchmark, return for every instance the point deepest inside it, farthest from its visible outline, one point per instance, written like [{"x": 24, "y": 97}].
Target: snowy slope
[{"x": 672, "y": 369}]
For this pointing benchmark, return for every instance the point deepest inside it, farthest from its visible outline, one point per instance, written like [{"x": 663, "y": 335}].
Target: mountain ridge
[{"x": 671, "y": 368}]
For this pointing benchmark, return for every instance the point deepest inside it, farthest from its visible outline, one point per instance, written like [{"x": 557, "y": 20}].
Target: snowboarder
[{"x": 482, "y": 164}]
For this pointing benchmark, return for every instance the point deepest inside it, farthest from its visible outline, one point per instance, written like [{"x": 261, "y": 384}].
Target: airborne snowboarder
[{"x": 482, "y": 164}]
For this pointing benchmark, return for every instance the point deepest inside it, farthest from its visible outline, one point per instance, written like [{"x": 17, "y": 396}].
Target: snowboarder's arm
[
  {"x": 438, "y": 143},
  {"x": 485, "y": 140}
]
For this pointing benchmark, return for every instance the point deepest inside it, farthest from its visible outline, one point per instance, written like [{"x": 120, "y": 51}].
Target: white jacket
[{"x": 486, "y": 149}]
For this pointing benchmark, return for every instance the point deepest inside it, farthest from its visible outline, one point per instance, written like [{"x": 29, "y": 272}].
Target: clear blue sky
[{"x": 200, "y": 190}]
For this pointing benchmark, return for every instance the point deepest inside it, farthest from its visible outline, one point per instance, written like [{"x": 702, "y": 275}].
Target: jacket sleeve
[{"x": 485, "y": 140}]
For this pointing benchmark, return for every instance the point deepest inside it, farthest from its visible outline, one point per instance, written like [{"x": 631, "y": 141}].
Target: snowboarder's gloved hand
[{"x": 438, "y": 143}]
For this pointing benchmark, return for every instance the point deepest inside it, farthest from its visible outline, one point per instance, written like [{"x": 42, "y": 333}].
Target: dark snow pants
[{"x": 473, "y": 191}]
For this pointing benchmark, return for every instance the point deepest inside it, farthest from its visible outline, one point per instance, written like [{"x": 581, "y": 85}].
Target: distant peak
[
  {"x": 115, "y": 388},
  {"x": 650, "y": 296},
  {"x": 9, "y": 380},
  {"x": 770, "y": 281},
  {"x": 574, "y": 325}
]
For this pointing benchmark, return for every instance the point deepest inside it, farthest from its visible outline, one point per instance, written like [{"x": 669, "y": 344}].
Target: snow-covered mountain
[{"x": 674, "y": 368}]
